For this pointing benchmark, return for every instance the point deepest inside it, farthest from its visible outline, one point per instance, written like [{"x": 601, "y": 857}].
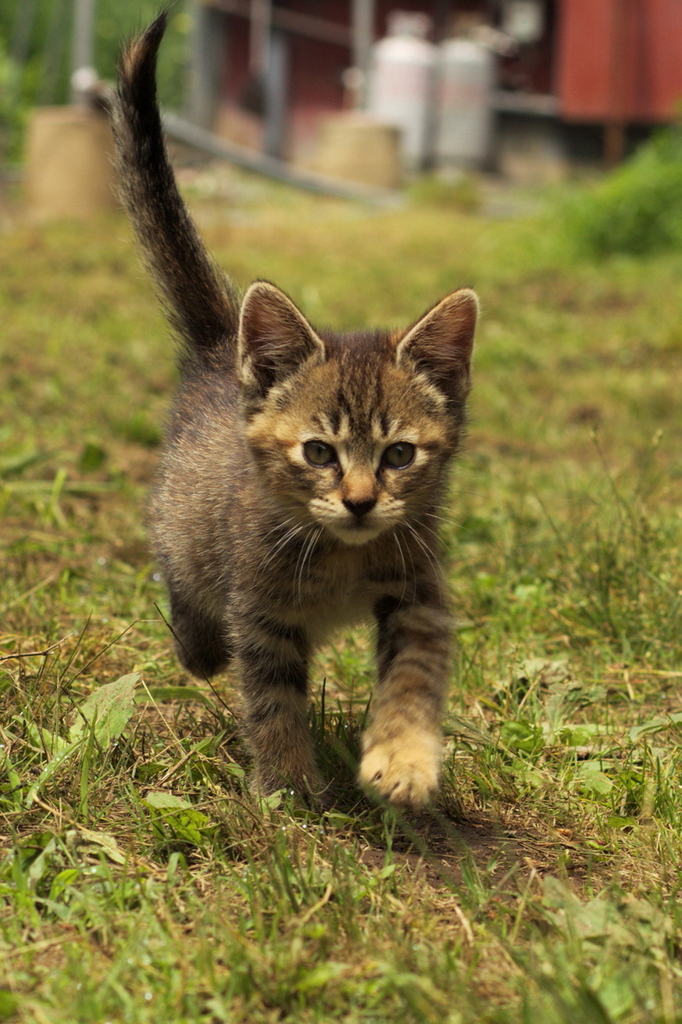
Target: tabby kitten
[{"x": 300, "y": 485}]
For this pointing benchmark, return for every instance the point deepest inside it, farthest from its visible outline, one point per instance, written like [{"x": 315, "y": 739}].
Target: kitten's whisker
[
  {"x": 413, "y": 575},
  {"x": 289, "y": 535},
  {"x": 421, "y": 542},
  {"x": 297, "y": 568},
  {"x": 278, "y": 526},
  {"x": 306, "y": 553},
  {"x": 453, "y": 520},
  {"x": 439, "y": 516},
  {"x": 402, "y": 556},
  {"x": 430, "y": 556},
  {"x": 477, "y": 494},
  {"x": 281, "y": 543},
  {"x": 433, "y": 530},
  {"x": 456, "y": 520}
]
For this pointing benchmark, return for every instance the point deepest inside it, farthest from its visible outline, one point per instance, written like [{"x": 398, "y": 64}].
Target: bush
[{"x": 637, "y": 209}]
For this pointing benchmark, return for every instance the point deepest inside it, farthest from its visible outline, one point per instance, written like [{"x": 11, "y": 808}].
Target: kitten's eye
[
  {"x": 318, "y": 453},
  {"x": 398, "y": 455}
]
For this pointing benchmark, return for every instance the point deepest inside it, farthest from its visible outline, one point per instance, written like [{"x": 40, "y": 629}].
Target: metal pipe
[
  {"x": 275, "y": 96},
  {"x": 269, "y": 166},
  {"x": 82, "y": 49},
  {"x": 362, "y": 30},
  {"x": 293, "y": 21}
]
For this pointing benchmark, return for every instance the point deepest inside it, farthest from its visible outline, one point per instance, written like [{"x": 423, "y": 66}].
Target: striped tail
[{"x": 201, "y": 305}]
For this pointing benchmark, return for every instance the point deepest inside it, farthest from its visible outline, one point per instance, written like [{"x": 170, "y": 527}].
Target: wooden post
[
  {"x": 614, "y": 128},
  {"x": 614, "y": 143}
]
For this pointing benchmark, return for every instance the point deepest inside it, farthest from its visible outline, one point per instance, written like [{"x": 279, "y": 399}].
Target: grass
[{"x": 139, "y": 879}]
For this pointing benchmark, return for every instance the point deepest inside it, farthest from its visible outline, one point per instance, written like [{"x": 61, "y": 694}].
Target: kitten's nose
[{"x": 359, "y": 508}]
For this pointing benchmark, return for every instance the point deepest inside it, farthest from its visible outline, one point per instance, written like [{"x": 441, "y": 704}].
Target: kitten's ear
[
  {"x": 275, "y": 339},
  {"x": 440, "y": 344}
]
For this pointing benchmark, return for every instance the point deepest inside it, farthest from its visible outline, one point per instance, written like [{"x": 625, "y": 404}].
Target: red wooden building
[{"x": 269, "y": 70}]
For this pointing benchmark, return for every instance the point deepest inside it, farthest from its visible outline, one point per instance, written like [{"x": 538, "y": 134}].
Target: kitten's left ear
[
  {"x": 440, "y": 344},
  {"x": 275, "y": 339}
]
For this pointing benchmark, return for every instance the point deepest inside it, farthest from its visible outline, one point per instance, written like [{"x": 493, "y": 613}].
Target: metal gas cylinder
[
  {"x": 401, "y": 83},
  {"x": 466, "y": 78}
]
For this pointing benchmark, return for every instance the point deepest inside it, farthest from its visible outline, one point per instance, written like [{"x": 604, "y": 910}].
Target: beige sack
[
  {"x": 68, "y": 163},
  {"x": 356, "y": 148}
]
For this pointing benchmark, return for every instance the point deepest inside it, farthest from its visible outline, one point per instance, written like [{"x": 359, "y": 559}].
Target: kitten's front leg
[
  {"x": 402, "y": 747},
  {"x": 273, "y": 659}
]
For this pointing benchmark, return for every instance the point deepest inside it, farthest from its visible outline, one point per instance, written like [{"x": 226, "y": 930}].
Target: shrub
[{"x": 637, "y": 209}]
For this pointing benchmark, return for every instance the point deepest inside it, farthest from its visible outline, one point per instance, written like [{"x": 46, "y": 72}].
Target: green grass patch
[{"x": 140, "y": 880}]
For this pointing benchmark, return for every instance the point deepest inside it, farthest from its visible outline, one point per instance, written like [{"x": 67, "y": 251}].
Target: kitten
[{"x": 300, "y": 485}]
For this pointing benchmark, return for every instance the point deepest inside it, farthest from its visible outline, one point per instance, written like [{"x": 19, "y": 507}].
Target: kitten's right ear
[
  {"x": 275, "y": 339},
  {"x": 440, "y": 344}
]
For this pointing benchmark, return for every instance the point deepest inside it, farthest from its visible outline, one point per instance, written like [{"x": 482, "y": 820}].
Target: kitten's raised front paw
[{"x": 404, "y": 769}]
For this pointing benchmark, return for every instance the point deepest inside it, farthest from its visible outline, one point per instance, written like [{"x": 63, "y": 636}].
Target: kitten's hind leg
[
  {"x": 274, "y": 672},
  {"x": 201, "y": 639}
]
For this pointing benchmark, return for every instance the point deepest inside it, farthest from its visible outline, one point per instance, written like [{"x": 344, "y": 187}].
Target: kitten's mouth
[{"x": 355, "y": 531}]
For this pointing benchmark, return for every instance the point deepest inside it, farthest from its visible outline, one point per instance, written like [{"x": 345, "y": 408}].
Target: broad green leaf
[
  {"x": 549, "y": 671},
  {"x": 581, "y": 735},
  {"x": 106, "y": 842},
  {"x": 273, "y": 800},
  {"x": 520, "y": 735},
  {"x": 528, "y": 592},
  {"x": 387, "y": 871},
  {"x": 179, "y": 816},
  {"x": 62, "y": 881},
  {"x": 320, "y": 976},
  {"x": 166, "y": 801},
  {"x": 92, "y": 457},
  {"x": 654, "y": 725},
  {"x": 53, "y": 766},
  {"x": 108, "y": 710},
  {"x": 338, "y": 820},
  {"x": 602, "y": 919},
  {"x": 599, "y": 918},
  {"x": 593, "y": 779},
  {"x": 527, "y": 775},
  {"x": 40, "y": 865},
  {"x": 46, "y": 740},
  {"x": 616, "y": 821},
  {"x": 617, "y": 995}
]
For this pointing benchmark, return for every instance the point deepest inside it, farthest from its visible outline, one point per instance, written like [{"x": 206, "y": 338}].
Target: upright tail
[{"x": 201, "y": 305}]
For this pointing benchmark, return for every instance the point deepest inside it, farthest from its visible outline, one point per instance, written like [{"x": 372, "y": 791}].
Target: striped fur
[{"x": 266, "y": 550}]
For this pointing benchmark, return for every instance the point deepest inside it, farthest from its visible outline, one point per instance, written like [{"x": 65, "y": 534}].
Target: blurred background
[{"x": 358, "y": 90}]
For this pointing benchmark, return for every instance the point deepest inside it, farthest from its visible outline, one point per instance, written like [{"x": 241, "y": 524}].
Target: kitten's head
[{"x": 353, "y": 432}]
